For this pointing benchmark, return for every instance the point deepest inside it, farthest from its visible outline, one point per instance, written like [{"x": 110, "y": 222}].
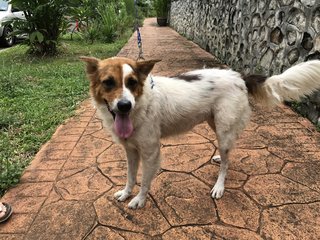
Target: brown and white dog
[{"x": 139, "y": 109}]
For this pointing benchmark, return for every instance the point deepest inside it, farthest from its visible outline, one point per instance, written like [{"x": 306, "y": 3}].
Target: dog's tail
[{"x": 296, "y": 82}]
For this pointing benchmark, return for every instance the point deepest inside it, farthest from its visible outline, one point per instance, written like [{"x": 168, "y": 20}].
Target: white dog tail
[{"x": 296, "y": 82}]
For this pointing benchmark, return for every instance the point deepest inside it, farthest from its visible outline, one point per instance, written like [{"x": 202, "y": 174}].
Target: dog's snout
[{"x": 124, "y": 106}]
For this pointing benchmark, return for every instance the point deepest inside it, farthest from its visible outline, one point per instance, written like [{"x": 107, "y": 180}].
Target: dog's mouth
[{"x": 123, "y": 125}]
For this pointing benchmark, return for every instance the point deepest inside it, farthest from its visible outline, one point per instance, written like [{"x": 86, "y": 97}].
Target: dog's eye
[
  {"x": 132, "y": 83},
  {"x": 109, "y": 83}
]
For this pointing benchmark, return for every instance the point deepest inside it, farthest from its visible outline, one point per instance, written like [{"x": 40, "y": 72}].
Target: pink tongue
[{"x": 123, "y": 125}]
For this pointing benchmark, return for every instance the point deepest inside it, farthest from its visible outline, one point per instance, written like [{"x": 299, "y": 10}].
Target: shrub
[
  {"x": 108, "y": 22},
  {"x": 83, "y": 13},
  {"x": 161, "y": 7},
  {"x": 43, "y": 25},
  {"x": 146, "y": 7}
]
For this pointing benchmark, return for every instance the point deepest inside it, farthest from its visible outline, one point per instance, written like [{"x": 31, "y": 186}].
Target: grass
[{"x": 37, "y": 95}]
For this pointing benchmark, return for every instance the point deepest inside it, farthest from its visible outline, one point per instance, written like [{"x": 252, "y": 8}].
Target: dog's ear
[
  {"x": 145, "y": 67},
  {"x": 92, "y": 64}
]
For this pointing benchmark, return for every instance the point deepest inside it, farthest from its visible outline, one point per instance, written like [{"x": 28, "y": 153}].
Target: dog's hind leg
[
  {"x": 227, "y": 133},
  {"x": 225, "y": 141},
  {"x": 218, "y": 189},
  {"x": 150, "y": 165},
  {"x": 133, "y": 165}
]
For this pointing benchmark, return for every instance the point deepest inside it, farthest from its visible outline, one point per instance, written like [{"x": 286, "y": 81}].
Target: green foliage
[
  {"x": 109, "y": 20},
  {"x": 10, "y": 174},
  {"x": 129, "y": 4},
  {"x": 91, "y": 31},
  {"x": 259, "y": 70},
  {"x": 97, "y": 20},
  {"x": 146, "y": 7},
  {"x": 36, "y": 36},
  {"x": 43, "y": 25},
  {"x": 161, "y": 7},
  {"x": 84, "y": 12}
]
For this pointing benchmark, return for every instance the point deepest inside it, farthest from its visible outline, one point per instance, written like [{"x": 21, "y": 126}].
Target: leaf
[
  {"x": 32, "y": 37},
  {"x": 40, "y": 36},
  {"x": 36, "y": 37}
]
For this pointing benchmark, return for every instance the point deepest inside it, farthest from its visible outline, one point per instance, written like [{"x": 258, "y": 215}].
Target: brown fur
[
  {"x": 254, "y": 85},
  {"x": 100, "y": 70},
  {"x": 138, "y": 89}
]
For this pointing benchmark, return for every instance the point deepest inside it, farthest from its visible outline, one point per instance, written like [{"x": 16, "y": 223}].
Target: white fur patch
[
  {"x": 126, "y": 94},
  {"x": 126, "y": 70}
]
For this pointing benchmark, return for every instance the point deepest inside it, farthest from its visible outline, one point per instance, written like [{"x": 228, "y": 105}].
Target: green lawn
[{"x": 36, "y": 95}]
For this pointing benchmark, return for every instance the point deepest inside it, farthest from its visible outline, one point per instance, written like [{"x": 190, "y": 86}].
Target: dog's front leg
[
  {"x": 133, "y": 164},
  {"x": 150, "y": 165}
]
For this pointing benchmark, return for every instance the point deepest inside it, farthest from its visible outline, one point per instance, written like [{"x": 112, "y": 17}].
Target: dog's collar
[
  {"x": 151, "y": 81},
  {"x": 109, "y": 109}
]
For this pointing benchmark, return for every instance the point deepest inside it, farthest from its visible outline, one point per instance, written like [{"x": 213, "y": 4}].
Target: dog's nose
[{"x": 124, "y": 106}]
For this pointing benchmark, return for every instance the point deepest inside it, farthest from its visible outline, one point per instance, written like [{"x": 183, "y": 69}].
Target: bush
[
  {"x": 146, "y": 7},
  {"x": 44, "y": 24},
  {"x": 97, "y": 20},
  {"x": 161, "y": 7},
  {"x": 109, "y": 20},
  {"x": 83, "y": 13}
]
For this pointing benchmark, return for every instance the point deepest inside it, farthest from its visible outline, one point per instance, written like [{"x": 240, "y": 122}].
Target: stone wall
[{"x": 254, "y": 36}]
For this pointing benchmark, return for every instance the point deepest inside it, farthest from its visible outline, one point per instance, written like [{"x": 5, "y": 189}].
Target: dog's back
[{"x": 183, "y": 101}]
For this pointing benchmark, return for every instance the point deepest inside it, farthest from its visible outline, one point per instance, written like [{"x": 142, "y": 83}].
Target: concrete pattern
[{"x": 272, "y": 188}]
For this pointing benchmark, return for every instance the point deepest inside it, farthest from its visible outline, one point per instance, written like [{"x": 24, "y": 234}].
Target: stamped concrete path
[{"x": 273, "y": 186}]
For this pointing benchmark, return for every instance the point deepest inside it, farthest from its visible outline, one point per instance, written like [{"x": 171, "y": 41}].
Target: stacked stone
[{"x": 265, "y": 36}]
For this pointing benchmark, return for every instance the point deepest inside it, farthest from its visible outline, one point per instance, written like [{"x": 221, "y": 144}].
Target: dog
[{"x": 139, "y": 109}]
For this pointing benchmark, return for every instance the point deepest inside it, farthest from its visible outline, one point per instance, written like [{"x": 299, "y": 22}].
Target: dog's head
[{"x": 118, "y": 83}]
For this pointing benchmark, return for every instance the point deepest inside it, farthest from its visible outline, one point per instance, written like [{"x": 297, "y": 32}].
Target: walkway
[{"x": 273, "y": 186}]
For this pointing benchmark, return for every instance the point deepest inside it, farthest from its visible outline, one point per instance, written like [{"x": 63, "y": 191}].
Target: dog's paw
[
  {"x": 137, "y": 202},
  {"x": 216, "y": 159},
  {"x": 122, "y": 195},
  {"x": 217, "y": 191}
]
